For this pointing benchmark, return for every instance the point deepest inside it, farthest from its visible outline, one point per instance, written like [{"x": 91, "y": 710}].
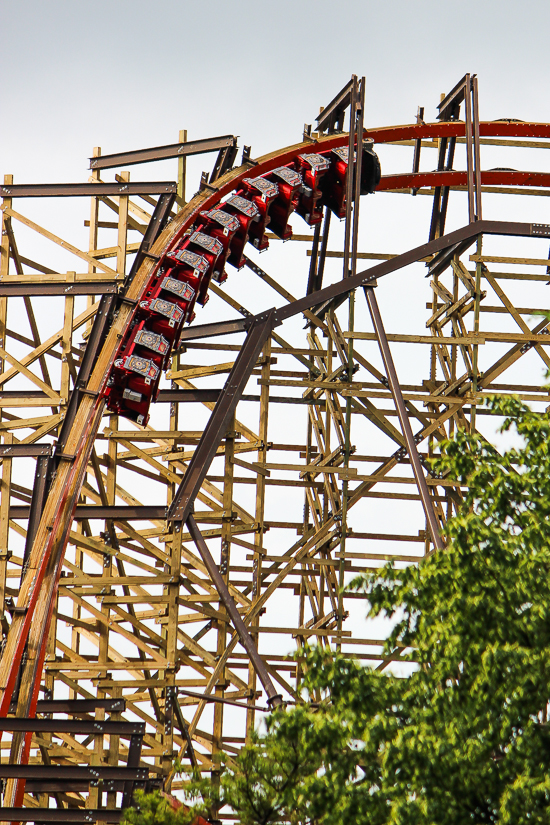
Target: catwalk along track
[{"x": 192, "y": 521}]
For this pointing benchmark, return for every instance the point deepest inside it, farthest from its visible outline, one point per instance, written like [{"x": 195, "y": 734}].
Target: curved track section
[
  {"x": 209, "y": 233},
  {"x": 193, "y": 249}
]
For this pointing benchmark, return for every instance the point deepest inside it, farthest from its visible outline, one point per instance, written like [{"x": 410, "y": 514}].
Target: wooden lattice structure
[{"x": 159, "y": 577}]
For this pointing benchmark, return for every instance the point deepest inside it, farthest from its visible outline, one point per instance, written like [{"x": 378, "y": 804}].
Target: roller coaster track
[{"x": 122, "y": 317}]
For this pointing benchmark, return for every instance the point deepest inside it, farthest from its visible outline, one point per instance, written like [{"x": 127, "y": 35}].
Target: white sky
[{"x": 128, "y": 74}]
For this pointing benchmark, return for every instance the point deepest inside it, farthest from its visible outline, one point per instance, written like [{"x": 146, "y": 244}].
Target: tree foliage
[{"x": 464, "y": 739}]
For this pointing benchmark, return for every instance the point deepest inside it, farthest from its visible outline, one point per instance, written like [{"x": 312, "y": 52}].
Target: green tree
[{"x": 464, "y": 739}]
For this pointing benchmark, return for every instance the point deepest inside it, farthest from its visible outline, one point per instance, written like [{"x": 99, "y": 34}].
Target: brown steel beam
[
  {"x": 439, "y": 245},
  {"x": 274, "y": 699},
  {"x": 333, "y": 113},
  {"x": 172, "y": 150},
  {"x": 62, "y": 288},
  {"x": 54, "y": 787},
  {"x": 186, "y": 396},
  {"x": 66, "y": 773},
  {"x": 217, "y": 328},
  {"x": 224, "y": 161},
  {"x": 39, "y": 494},
  {"x": 39, "y": 815},
  {"x": 75, "y": 706},
  {"x": 32, "y": 450},
  {"x": 260, "y": 329},
  {"x": 92, "y": 511},
  {"x": 158, "y": 221},
  {"x": 412, "y": 256},
  {"x": 450, "y": 105},
  {"x": 86, "y": 727},
  {"x": 65, "y": 190},
  {"x": 412, "y": 449},
  {"x": 132, "y": 761}
]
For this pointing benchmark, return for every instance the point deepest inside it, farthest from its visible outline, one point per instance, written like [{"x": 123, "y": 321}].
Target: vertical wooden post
[
  {"x": 4, "y": 268},
  {"x": 114, "y": 748},
  {"x": 182, "y": 171},
  {"x": 259, "y": 519},
  {"x": 5, "y": 528},
  {"x": 66, "y": 344},
  {"x": 122, "y": 230},
  {"x": 171, "y": 649},
  {"x": 217, "y": 740},
  {"x": 174, "y": 424},
  {"x": 475, "y": 332},
  {"x": 94, "y": 225},
  {"x": 94, "y": 797}
]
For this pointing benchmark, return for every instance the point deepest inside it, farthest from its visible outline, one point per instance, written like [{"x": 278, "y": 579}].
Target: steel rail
[{"x": 458, "y": 178}]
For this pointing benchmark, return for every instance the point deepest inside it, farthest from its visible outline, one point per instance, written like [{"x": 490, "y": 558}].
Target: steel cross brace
[
  {"x": 273, "y": 698},
  {"x": 259, "y": 331},
  {"x": 412, "y": 449},
  {"x": 182, "y": 505}
]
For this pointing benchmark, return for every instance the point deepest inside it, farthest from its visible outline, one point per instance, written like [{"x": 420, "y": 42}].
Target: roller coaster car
[
  {"x": 262, "y": 192},
  {"x": 129, "y": 394},
  {"x": 370, "y": 168},
  {"x": 289, "y": 184},
  {"x": 144, "y": 343},
  {"x": 334, "y": 183},
  {"x": 313, "y": 168},
  {"x": 211, "y": 249},
  {"x": 136, "y": 371},
  {"x": 222, "y": 226},
  {"x": 164, "y": 317},
  {"x": 245, "y": 212},
  {"x": 123, "y": 400},
  {"x": 179, "y": 281}
]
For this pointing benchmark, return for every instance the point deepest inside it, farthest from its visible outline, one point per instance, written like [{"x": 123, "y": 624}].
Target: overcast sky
[{"x": 125, "y": 74}]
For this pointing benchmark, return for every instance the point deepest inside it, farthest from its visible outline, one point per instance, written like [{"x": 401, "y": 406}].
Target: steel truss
[{"x": 156, "y": 585}]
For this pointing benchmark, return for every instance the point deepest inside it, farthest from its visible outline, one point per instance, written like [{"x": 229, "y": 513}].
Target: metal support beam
[
  {"x": 62, "y": 288},
  {"x": 274, "y": 699},
  {"x": 76, "y": 727},
  {"x": 159, "y": 219},
  {"x": 39, "y": 815},
  {"x": 25, "y": 450},
  {"x": 199, "y": 465},
  {"x": 412, "y": 449},
  {"x": 211, "y": 330},
  {"x": 39, "y": 493},
  {"x": 332, "y": 115},
  {"x": 65, "y": 773},
  {"x": 65, "y": 190},
  {"x": 172, "y": 150},
  {"x": 75, "y": 706},
  {"x": 412, "y": 256},
  {"x": 224, "y": 161}
]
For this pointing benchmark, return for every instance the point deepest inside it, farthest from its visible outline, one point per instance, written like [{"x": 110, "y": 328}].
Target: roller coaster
[{"x": 156, "y": 596}]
